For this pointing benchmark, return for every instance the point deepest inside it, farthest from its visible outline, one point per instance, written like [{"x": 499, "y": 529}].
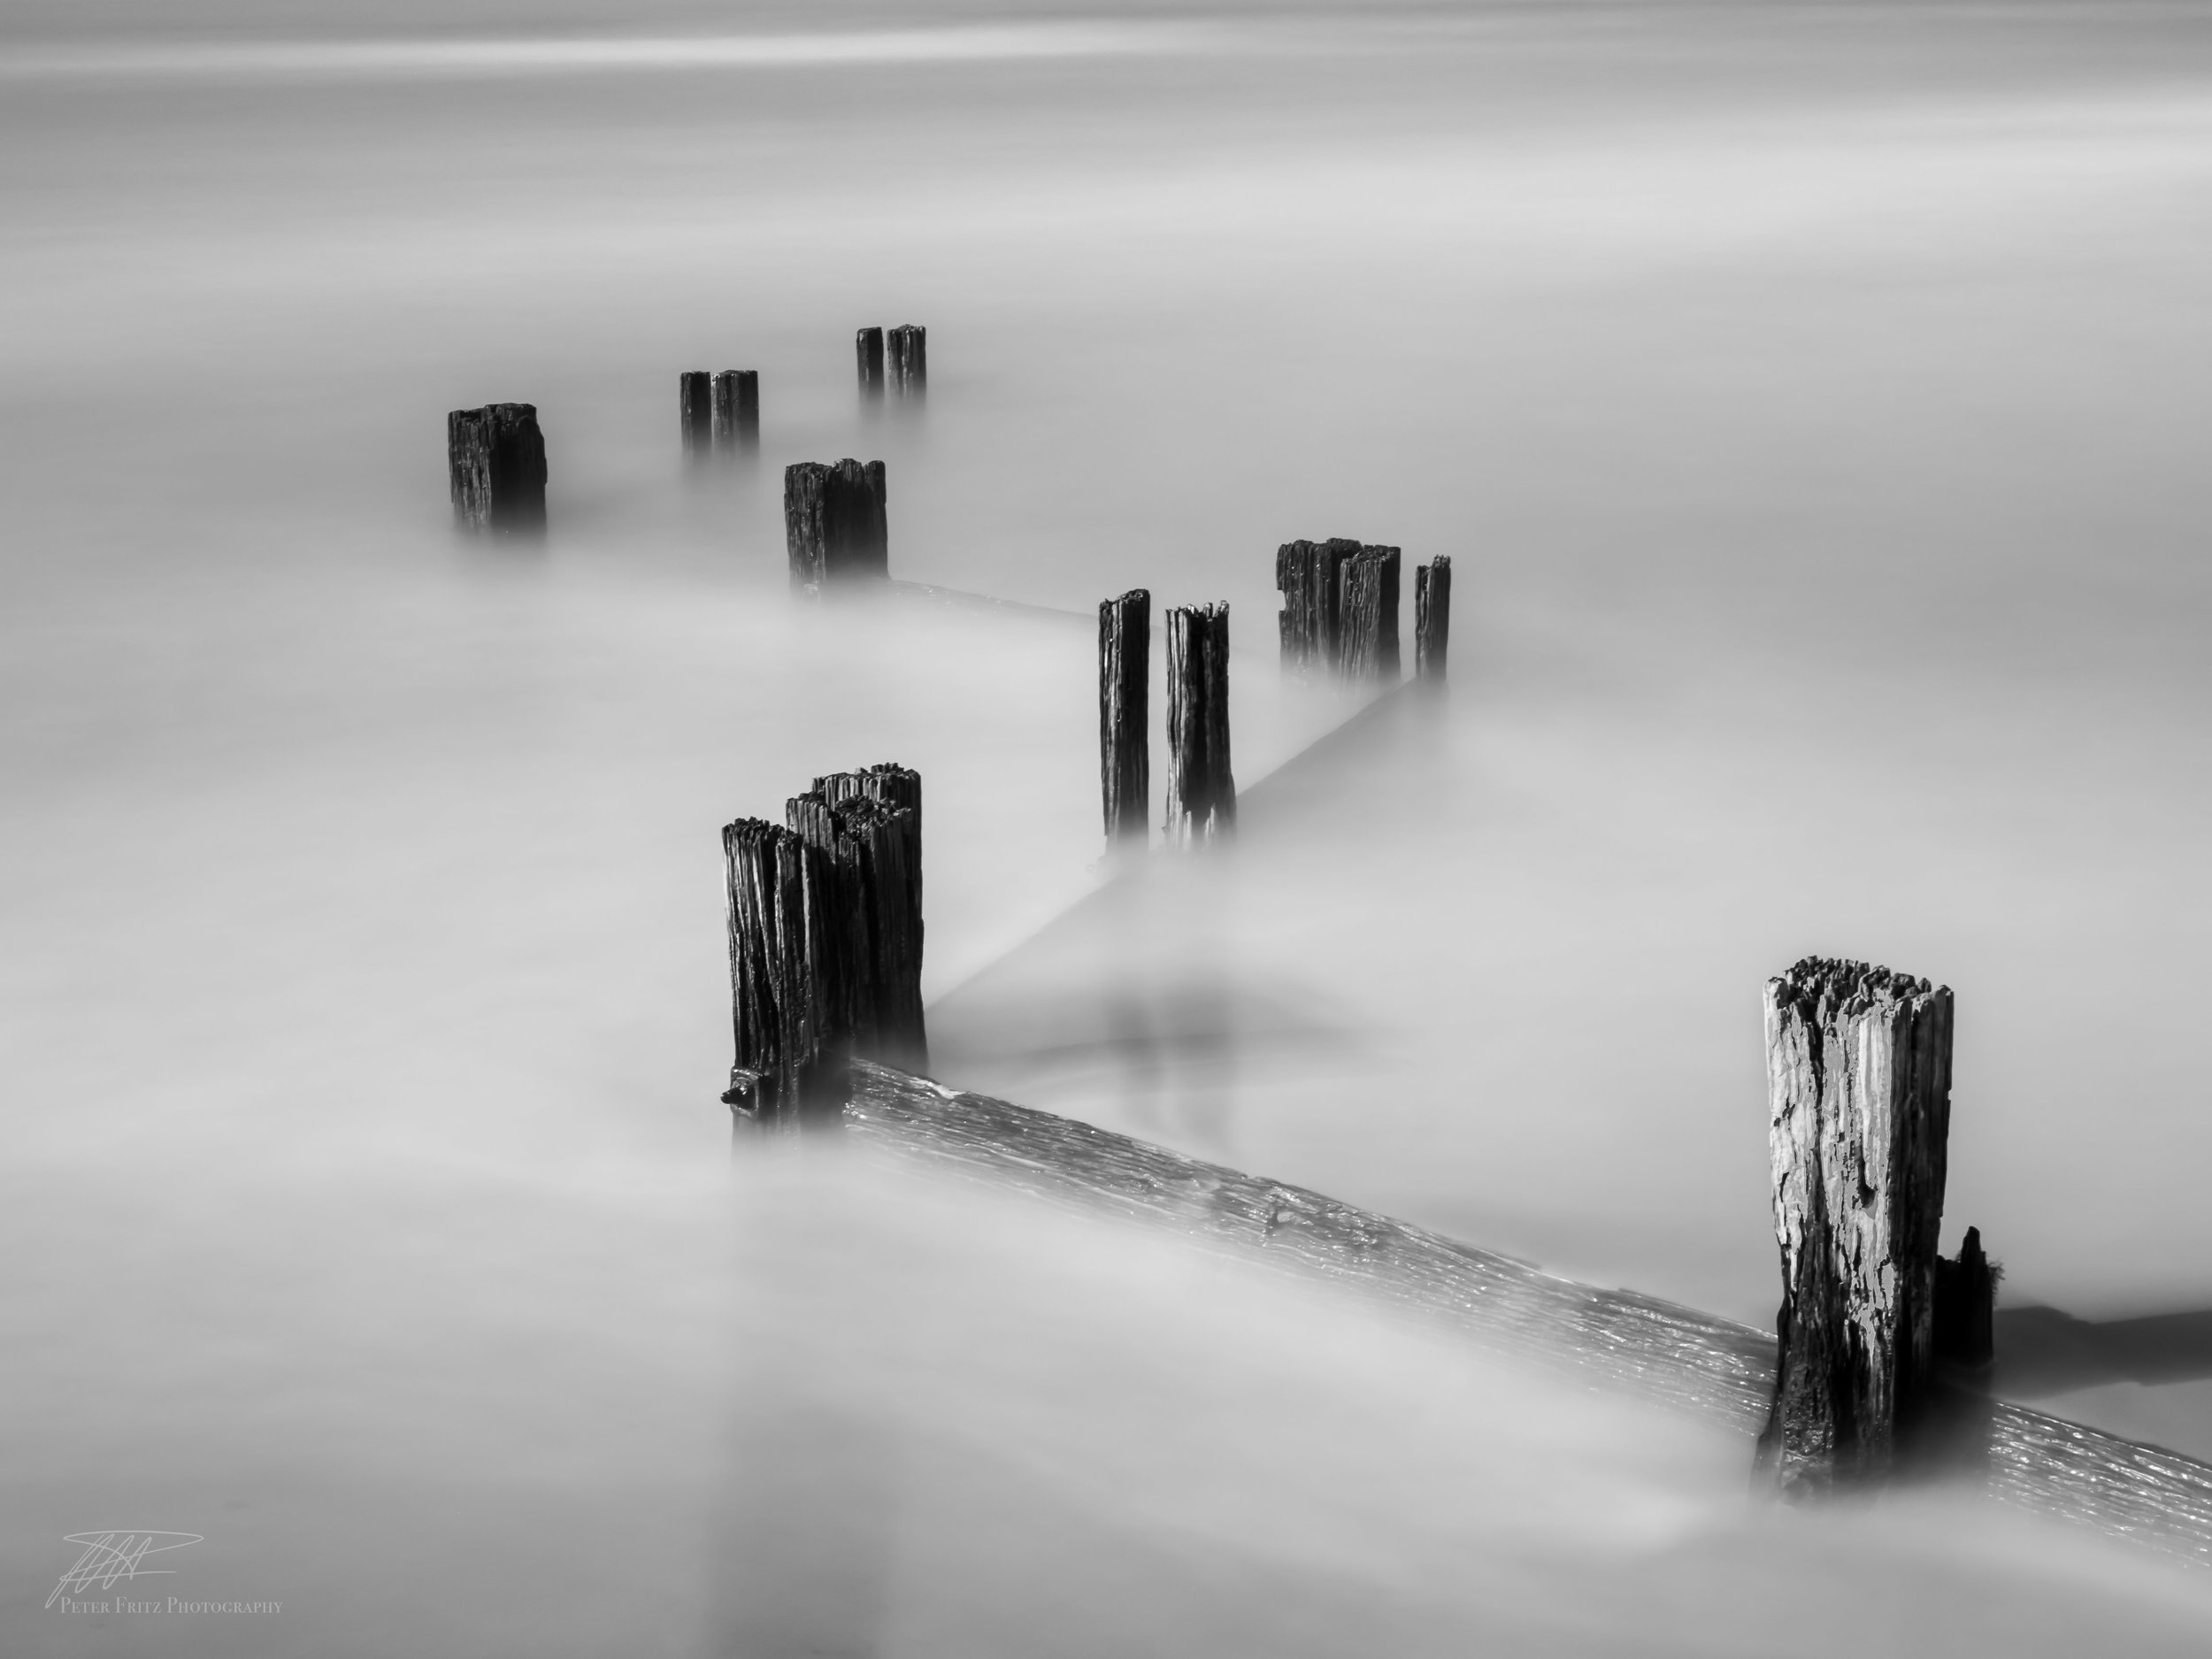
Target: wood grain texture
[
  {"x": 1341, "y": 602},
  {"x": 1859, "y": 1098},
  {"x": 868, "y": 361},
  {"x": 1125, "y": 752},
  {"x": 695, "y": 411},
  {"x": 1431, "y": 618},
  {"x": 1684, "y": 1361},
  {"x": 1202, "y": 785},
  {"x": 496, "y": 468},
  {"x": 1368, "y": 610}
]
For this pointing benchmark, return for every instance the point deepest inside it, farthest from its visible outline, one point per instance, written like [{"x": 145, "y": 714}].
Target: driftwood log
[
  {"x": 694, "y": 408},
  {"x": 495, "y": 466},
  {"x": 1202, "y": 788},
  {"x": 1859, "y": 1099},
  {"x": 825, "y": 941},
  {"x": 868, "y": 360},
  {"x": 1431, "y": 618},
  {"x": 1340, "y": 607},
  {"x": 737, "y": 409},
  {"x": 908, "y": 349},
  {"x": 1125, "y": 763},
  {"x": 836, "y": 527},
  {"x": 1689, "y": 1362}
]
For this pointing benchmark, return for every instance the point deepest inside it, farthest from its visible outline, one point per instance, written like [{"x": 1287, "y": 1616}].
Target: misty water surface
[{"x": 1811, "y": 404}]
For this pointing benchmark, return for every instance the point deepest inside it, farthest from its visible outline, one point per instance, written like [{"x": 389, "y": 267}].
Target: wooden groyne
[
  {"x": 1125, "y": 754},
  {"x": 1202, "y": 785},
  {"x": 496, "y": 468},
  {"x": 1686, "y": 1361}
]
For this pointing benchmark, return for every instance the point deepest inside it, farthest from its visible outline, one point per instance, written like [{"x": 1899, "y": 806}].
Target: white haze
[{"x": 1811, "y": 403}]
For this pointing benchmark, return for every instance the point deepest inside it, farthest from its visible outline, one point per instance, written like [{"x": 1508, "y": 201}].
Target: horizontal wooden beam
[{"x": 1687, "y": 1361}]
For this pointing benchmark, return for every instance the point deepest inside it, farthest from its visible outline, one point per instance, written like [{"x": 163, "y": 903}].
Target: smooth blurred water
[{"x": 1810, "y": 401}]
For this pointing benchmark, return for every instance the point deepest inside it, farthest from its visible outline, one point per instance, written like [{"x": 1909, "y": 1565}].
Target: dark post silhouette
[
  {"x": 1859, "y": 1098},
  {"x": 737, "y": 409},
  {"x": 695, "y": 404},
  {"x": 1125, "y": 762},
  {"x": 868, "y": 355},
  {"x": 1369, "y": 614},
  {"x": 1966, "y": 1304},
  {"x": 1202, "y": 790},
  {"x": 1308, "y": 576},
  {"x": 908, "y": 345},
  {"x": 496, "y": 465},
  {"x": 776, "y": 914},
  {"x": 1431, "y": 618},
  {"x": 880, "y": 810},
  {"x": 836, "y": 528}
]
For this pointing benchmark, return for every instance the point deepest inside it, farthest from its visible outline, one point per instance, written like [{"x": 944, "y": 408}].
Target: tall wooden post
[
  {"x": 1309, "y": 576},
  {"x": 1859, "y": 1099},
  {"x": 496, "y": 467},
  {"x": 880, "y": 809},
  {"x": 1966, "y": 1304},
  {"x": 694, "y": 406},
  {"x": 868, "y": 358},
  {"x": 1431, "y": 618},
  {"x": 1202, "y": 790},
  {"x": 778, "y": 914},
  {"x": 737, "y": 409},
  {"x": 836, "y": 526},
  {"x": 1125, "y": 759},
  {"x": 908, "y": 345},
  {"x": 1368, "y": 613}
]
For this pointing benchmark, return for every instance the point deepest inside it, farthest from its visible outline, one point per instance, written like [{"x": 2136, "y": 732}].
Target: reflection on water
[{"x": 1805, "y": 401}]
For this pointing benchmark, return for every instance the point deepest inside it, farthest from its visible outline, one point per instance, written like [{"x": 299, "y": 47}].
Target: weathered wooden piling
[
  {"x": 836, "y": 528},
  {"x": 908, "y": 345},
  {"x": 777, "y": 916},
  {"x": 1202, "y": 790},
  {"x": 868, "y": 358},
  {"x": 1124, "y": 756},
  {"x": 1966, "y": 1304},
  {"x": 1308, "y": 575},
  {"x": 737, "y": 409},
  {"x": 1368, "y": 615},
  {"x": 825, "y": 941},
  {"x": 1431, "y": 618},
  {"x": 880, "y": 810},
  {"x": 1859, "y": 1096},
  {"x": 694, "y": 408},
  {"x": 496, "y": 465},
  {"x": 1340, "y": 607}
]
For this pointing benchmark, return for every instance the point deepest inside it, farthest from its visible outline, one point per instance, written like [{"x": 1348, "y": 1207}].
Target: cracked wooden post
[
  {"x": 909, "y": 347},
  {"x": 778, "y": 888},
  {"x": 737, "y": 409},
  {"x": 1368, "y": 615},
  {"x": 496, "y": 468},
  {"x": 836, "y": 526},
  {"x": 1431, "y": 618},
  {"x": 695, "y": 408},
  {"x": 1859, "y": 1099},
  {"x": 1124, "y": 756},
  {"x": 880, "y": 810},
  {"x": 1308, "y": 575},
  {"x": 868, "y": 358},
  {"x": 1202, "y": 790}
]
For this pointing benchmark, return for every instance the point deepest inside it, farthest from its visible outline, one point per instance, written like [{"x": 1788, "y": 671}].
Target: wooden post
[
  {"x": 1431, "y": 618},
  {"x": 836, "y": 527},
  {"x": 880, "y": 810},
  {"x": 1859, "y": 1097},
  {"x": 737, "y": 409},
  {"x": 1202, "y": 790},
  {"x": 1308, "y": 574},
  {"x": 1124, "y": 756},
  {"x": 1966, "y": 1304},
  {"x": 1368, "y": 613},
  {"x": 909, "y": 346},
  {"x": 868, "y": 354},
  {"x": 495, "y": 466},
  {"x": 777, "y": 887},
  {"x": 695, "y": 405}
]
